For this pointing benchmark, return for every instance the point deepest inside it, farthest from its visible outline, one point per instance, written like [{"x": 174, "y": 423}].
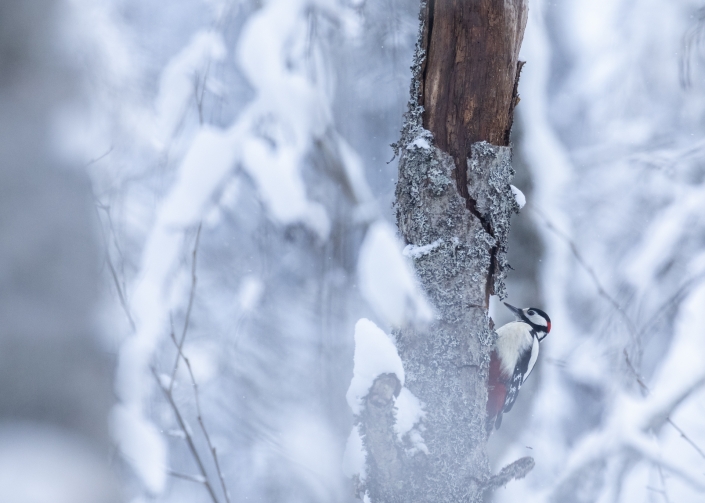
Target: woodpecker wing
[{"x": 523, "y": 368}]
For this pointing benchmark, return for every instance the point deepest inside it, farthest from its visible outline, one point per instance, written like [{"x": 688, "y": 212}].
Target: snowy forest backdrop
[{"x": 222, "y": 170}]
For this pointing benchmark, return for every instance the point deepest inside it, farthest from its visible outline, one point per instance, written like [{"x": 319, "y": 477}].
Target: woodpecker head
[{"x": 537, "y": 318}]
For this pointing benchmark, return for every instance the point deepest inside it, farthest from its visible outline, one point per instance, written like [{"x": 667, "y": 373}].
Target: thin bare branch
[
  {"x": 593, "y": 276},
  {"x": 637, "y": 376},
  {"x": 640, "y": 444},
  {"x": 93, "y": 161},
  {"x": 647, "y": 391},
  {"x": 194, "y": 280},
  {"x": 181, "y": 356},
  {"x": 111, "y": 267},
  {"x": 199, "y": 416},
  {"x": 676, "y": 297},
  {"x": 686, "y": 437},
  {"x": 193, "y": 478},
  {"x": 631, "y": 326},
  {"x": 199, "y": 93},
  {"x": 121, "y": 296},
  {"x": 198, "y": 98},
  {"x": 189, "y": 438},
  {"x": 663, "y": 491}
]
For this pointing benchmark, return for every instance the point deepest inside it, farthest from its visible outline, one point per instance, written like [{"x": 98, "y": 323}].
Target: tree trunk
[{"x": 453, "y": 192}]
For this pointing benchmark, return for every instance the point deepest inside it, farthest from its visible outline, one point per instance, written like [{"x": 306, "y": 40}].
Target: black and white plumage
[{"x": 513, "y": 358}]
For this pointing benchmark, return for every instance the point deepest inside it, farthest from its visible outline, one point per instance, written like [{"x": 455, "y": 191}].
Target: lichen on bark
[{"x": 445, "y": 363}]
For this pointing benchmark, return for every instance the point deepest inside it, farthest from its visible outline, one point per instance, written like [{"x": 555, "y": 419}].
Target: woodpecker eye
[{"x": 531, "y": 312}]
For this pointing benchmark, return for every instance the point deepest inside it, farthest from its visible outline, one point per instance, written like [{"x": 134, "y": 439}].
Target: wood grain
[{"x": 468, "y": 87}]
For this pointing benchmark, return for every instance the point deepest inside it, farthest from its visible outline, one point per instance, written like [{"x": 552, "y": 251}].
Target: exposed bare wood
[{"x": 468, "y": 84}]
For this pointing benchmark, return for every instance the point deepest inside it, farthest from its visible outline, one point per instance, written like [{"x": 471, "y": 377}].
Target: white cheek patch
[{"x": 536, "y": 320}]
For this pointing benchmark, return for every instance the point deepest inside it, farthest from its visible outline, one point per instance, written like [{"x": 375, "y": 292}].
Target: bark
[{"x": 453, "y": 189}]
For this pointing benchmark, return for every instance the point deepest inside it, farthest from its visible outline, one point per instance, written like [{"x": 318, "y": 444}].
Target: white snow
[
  {"x": 307, "y": 441},
  {"x": 165, "y": 380},
  {"x": 276, "y": 172},
  {"x": 203, "y": 170},
  {"x": 291, "y": 109},
  {"x": 40, "y": 463},
  {"x": 682, "y": 370},
  {"x": 250, "y": 292},
  {"x": 408, "y": 414},
  {"x": 270, "y": 141},
  {"x": 386, "y": 279},
  {"x": 176, "y": 88},
  {"x": 663, "y": 234},
  {"x": 418, "y": 442},
  {"x": 375, "y": 354},
  {"x": 355, "y": 455},
  {"x": 409, "y": 411},
  {"x": 419, "y": 142},
  {"x": 141, "y": 444},
  {"x": 203, "y": 357},
  {"x": 355, "y": 172},
  {"x": 630, "y": 426},
  {"x": 414, "y": 251},
  {"x": 519, "y": 196}
]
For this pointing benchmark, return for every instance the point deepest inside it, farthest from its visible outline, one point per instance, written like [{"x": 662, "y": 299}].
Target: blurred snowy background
[{"x": 211, "y": 178}]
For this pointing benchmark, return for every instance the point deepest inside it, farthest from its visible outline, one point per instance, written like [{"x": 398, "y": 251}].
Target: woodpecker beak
[{"x": 515, "y": 310}]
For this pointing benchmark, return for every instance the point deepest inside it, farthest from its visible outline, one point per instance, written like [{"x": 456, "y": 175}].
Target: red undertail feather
[{"x": 496, "y": 390}]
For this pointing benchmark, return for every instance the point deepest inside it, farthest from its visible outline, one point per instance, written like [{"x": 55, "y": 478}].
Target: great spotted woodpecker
[{"x": 513, "y": 359}]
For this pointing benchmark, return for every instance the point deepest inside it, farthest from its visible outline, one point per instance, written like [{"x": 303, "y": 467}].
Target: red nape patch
[
  {"x": 548, "y": 327},
  {"x": 496, "y": 389}
]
